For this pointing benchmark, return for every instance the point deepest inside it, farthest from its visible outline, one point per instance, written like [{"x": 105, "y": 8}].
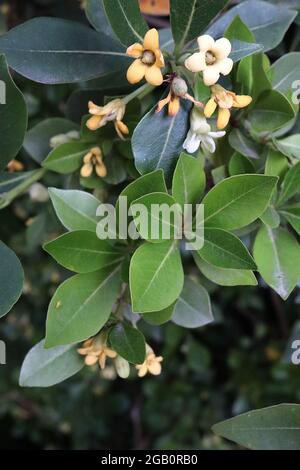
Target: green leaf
[
  {"x": 239, "y": 30},
  {"x": 159, "y": 318},
  {"x": 161, "y": 225},
  {"x": 66, "y": 158},
  {"x": 239, "y": 165},
  {"x": 126, "y": 20},
  {"x": 157, "y": 140},
  {"x": 95, "y": 13},
  {"x": 189, "y": 18},
  {"x": 271, "y": 217},
  {"x": 268, "y": 27},
  {"x": 81, "y": 306},
  {"x": 276, "y": 163},
  {"x": 37, "y": 139},
  {"x": 261, "y": 82},
  {"x": 156, "y": 276},
  {"x": 193, "y": 308},
  {"x": 82, "y": 252},
  {"x": 273, "y": 428},
  {"x": 225, "y": 250},
  {"x": 271, "y": 112},
  {"x": 291, "y": 184},
  {"x": 285, "y": 71},
  {"x": 241, "y": 50},
  {"x": 244, "y": 145},
  {"x": 10, "y": 181},
  {"x": 152, "y": 182},
  {"x": 46, "y": 367},
  {"x": 188, "y": 180},
  {"x": 277, "y": 255},
  {"x": 13, "y": 116},
  {"x": 54, "y": 50},
  {"x": 238, "y": 201},
  {"x": 225, "y": 277},
  {"x": 75, "y": 209},
  {"x": 290, "y": 146},
  {"x": 11, "y": 279},
  {"x": 292, "y": 215},
  {"x": 128, "y": 342}
]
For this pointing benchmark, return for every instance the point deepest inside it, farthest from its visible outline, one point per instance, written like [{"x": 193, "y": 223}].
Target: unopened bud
[
  {"x": 38, "y": 193},
  {"x": 179, "y": 87},
  {"x": 122, "y": 367}
]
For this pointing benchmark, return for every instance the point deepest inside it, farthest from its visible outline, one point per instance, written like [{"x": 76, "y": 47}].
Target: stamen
[
  {"x": 148, "y": 57},
  {"x": 210, "y": 58}
]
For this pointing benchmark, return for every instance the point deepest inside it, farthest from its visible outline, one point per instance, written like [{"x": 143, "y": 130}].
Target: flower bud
[
  {"x": 122, "y": 367},
  {"x": 38, "y": 193},
  {"x": 179, "y": 87}
]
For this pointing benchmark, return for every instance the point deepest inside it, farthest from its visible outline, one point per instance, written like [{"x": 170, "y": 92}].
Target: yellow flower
[
  {"x": 224, "y": 100},
  {"x": 173, "y": 103},
  {"x": 112, "y": 112},
  {"x": 96, "y": 350},
  {"x": 93, "y": 160},
  {"x": 212, "y": 59},
  {"x": 15, "y": 165},
  {"x": 152, "y": 363},
  {"x": 148, "y": 60},
  {"x": 178, "y": 89}
]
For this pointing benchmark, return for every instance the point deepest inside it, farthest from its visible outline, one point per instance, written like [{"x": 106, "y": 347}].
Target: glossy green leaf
[
  {"x": 244, "y": 145},
  {"x": 276, "y": 164},
  {"x": 292, "y": 215},
  {"x": 225, "y": 277},
  {"x": 239, "y": 165},
  {"x": 66, "y": 158},
  {"x": 188, "y": 180},
  {"x": 81, "y": 306},
  {"x": 126, "y": 20},
  {"x": 193, "y": 308},
  {"x": 46, "y": 367},
  {"x": 189, "y": 18},
  {"x": 225, "y": 250},
  {"x": 95, "y": 13},
  {"x": 285, "y": 71},
  {"x": 82, "y": 251},
  {"x": 268, "y": 27},
  {"x": 273, "y": 428},
  {"x": 277, "y": 255},
  {"x": 11, "y": 279},
  {"x": 54, "y": 50},
  {"x": 156, "y": 276},
  {"x": 290, "y": 146},
  {"x": 13, "y": 116},
  {"x": 128, "y": 342},
  {"x": 159, "y": 318},
  {"x": 152, "y": 182},
  {"x": 291, "y": 184},
  {"x": 270, "y": 217},
  {"x": 153, "y": 150},
  {"x": 75, "y": 209},
  {"x": 237, "y": 201}
]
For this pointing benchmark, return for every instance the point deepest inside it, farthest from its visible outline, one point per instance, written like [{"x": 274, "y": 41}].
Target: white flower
[
  {"x": 200, "y": 133},
  {"x": 212, "y": 59}
]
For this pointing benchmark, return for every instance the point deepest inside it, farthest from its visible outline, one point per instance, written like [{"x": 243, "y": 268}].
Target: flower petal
[
  {"x": 225, "y": 66},
  {"x": 211, "y": 75},
  {"x": 135, "y": 50},
  {"x": 222, "y": 48},
  {"x": 223, "y": 118},
  {"x": 91, "y": 360},
  {"x": 136, "y": 72},
  {"x": 208, "y": 143},
  {"x": 160, "y": 61},
  {"x": 174, "y": 106},
  {"x": 192, "y": 142},
  {"x": 122, "y": 128},
  {"x": 86, "y": 170},
  {"x": 101, "y": 170},
  {"x": 95, "y": 109},
  {"x": 154, "y": 368},
  {"x": 217, "y": 135},
  {"x": 154, "y": 76},
  {"x": 142, "y": 369},
  {"x": 205, "y": 43},
  {"x": 196, "y": 62},
  {"x": 241, "y": 101},
  {"x": 163, "y": 103},
  {"x": 151, "y": 40},
  {"x": 210, "y": 108},
  {"x": 94, "y": 123}
]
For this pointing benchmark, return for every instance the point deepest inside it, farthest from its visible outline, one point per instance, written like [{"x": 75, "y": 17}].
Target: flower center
[
  {"x": 148, "y": 57},
  {"x": 210, "y": 58}
]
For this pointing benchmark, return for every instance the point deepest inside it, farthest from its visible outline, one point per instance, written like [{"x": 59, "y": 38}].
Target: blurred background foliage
[{"x": 210, "y": 374}]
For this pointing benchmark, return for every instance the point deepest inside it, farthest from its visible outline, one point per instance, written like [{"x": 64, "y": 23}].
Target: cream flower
[
  {"x": 15, "y": 165},
  {"x": 152, "y": 363},
  {"x": 224, "y": 100},
  {"x": 148, "y": 60},
  {"x": 96, "y": 350},
  {"x": 212, "y": 59},
  {"x": 93, "y": 160},
  {"x": 200, "y": 133},
  {"x": 112, "y": 112}
]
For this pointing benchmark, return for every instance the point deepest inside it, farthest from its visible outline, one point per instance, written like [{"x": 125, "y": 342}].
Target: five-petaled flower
[
  {"x": 148, "y": 62},
  {"x": 224, "y": 100},
  {"x": 96, "y": 350},
  {"x": 112, "y": 112},
  {"x": 93, "y": 160},
  {"x": 212, "y": 59},
  {"x": 200, "y": 133},
  {"x": 152, "y": 363}
]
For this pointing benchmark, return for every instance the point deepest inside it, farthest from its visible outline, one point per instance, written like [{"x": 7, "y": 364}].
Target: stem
[
  {"x": 139, "y": 93},
  {"x": 13, "y": 193}
]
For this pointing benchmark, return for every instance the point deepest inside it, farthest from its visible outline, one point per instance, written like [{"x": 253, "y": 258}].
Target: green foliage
[{"x": 11, "y": 279}]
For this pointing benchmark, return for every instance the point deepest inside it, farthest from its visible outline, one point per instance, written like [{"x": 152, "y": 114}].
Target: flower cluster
[{"x": 93, "y": 160}]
